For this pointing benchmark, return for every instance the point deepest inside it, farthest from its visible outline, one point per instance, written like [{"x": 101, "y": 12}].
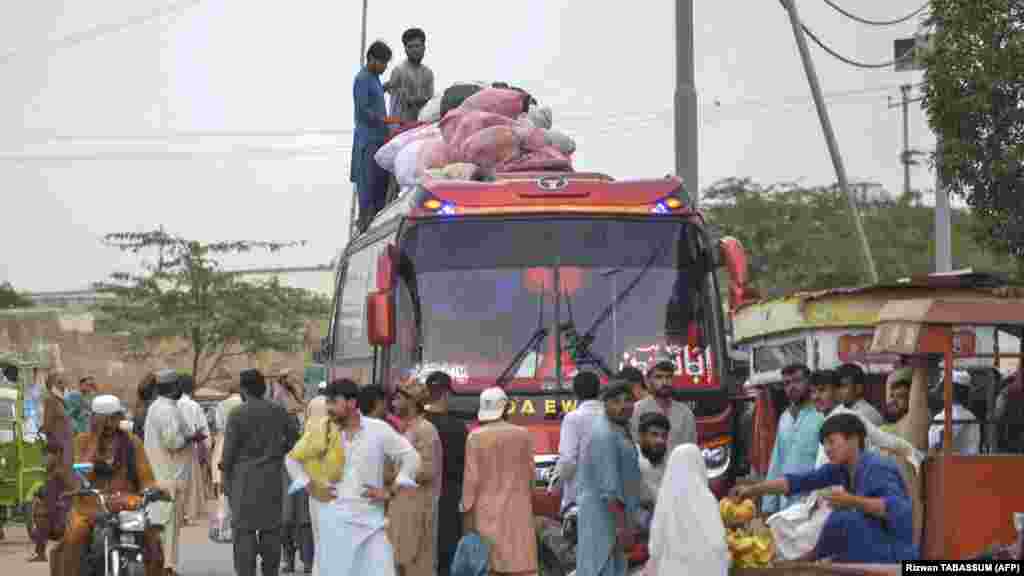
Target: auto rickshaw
[
  {"x": 22, "y": 449},
  {"x": 968, "y": 500}
]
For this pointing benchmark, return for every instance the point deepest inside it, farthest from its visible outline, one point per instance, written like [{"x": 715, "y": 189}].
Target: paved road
[{"x": 200, "y": 557}]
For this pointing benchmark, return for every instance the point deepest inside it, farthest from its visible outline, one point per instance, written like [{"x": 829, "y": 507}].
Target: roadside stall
[{"x": 968, "y": 500}]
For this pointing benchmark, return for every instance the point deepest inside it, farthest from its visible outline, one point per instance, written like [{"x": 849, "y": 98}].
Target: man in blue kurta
[
  {"x": 372, "y": 121},
  {"x": 796, "y": 442},
  {"x": 872, "y": 520},
  {"x": 608, "y": 467}
]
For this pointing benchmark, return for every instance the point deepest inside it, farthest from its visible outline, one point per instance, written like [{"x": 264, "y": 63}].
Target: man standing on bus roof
[
  {"x": 796, "y": 441},
  {"x": 412, "y": 83},
  {"x": 659, "y": 381},
  {"x": 371, "y": 132}
]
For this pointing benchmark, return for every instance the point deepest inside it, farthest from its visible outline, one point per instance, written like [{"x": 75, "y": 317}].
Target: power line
[
  {"x": 197, "y": 135},
  {"x": 165, "y": 155},
  {"x": 101, "y": 30},
  {"x": 856, "y": 18},
  {"x": 849, "y": 61}
]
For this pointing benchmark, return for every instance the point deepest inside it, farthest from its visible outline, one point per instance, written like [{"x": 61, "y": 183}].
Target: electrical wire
[
  {"x": 850, "y": 61},
  {"x": 856, "y": 18},
  {"x": 101, "y": 30}
]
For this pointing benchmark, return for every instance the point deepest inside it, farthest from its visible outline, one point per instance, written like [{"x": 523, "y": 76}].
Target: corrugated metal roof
[{"x": 966, "y": 279}]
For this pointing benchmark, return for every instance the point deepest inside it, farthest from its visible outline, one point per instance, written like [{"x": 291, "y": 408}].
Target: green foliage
[
  {"x": 11, "y": 298},
  {"x": 974, "y": 97},
  {"x": 187, "y": 295},
  {"x": 803, "y": 239}
]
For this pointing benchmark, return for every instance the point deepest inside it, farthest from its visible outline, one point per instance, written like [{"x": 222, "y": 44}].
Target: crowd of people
[
  {"x": 167, "y": 445},
  {"x": 359, "y": 480},
  {"x": 829, "y": 491}
]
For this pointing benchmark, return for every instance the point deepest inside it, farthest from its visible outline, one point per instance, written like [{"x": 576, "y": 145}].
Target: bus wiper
[
  {"x": 538, "y": 336},
  {"x": 532, "y": 344},
  {"x": 581, "y": 344}
]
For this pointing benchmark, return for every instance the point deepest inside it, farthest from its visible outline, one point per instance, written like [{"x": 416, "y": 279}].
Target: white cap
[
  {"x": 492, "y": 405},
  {"x": 106, "y": 405},
  {"x": 322, "y": 385}
]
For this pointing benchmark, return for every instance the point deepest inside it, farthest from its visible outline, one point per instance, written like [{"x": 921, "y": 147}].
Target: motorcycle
[
  {"x": 116, "y": 546},
  {"x": 557, "y": 545}
]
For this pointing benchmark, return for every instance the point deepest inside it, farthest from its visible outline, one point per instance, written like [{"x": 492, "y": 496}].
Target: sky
[{"x": 231, "y": 119}]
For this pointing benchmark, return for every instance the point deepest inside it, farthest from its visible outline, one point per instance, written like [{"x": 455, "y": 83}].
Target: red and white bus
[{"x": 523, "y": 280}]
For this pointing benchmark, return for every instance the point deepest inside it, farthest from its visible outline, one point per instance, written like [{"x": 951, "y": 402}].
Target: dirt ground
[{"x": 16, "y": 548}]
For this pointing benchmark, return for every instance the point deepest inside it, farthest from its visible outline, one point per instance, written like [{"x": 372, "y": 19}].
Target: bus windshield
[{"x": 478, "y": 299}]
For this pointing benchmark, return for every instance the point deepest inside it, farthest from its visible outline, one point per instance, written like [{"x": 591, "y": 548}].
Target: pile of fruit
[{"x": 750, "y": 546}]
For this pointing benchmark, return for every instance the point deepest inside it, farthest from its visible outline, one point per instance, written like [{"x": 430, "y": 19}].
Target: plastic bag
[
  {"x": 433, "y": 153},
  {"x": 431, "y": 111},
  {"x": 460, "y": 125},
  {"x": 565, "y": 144},
  {"x": 220, "y": 522},
  {"x": 388, "y": 153},
  {"x": 456, "y": 94},
  {"x": 540, "y": 116},
  {"x": 490, "y": 147},
  {"x": 407, "y": 162},
  {"x": 508, "y": 103},
  {"x": 548, "y": 158}
]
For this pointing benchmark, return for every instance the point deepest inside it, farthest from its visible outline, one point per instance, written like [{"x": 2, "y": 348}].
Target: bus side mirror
[
  {"x": 380, "y": 318},
  {"x": 735, "y": 259},
  {"x": 386, "y": 268}
]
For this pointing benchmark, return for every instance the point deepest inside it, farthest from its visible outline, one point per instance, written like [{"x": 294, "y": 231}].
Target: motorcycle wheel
[
  {"x": 548, "y": 564},
  {"x": 134, "y": 569}
]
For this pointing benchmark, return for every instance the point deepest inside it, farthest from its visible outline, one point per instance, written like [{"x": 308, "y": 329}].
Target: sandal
[{"x": 37, "y": 558}]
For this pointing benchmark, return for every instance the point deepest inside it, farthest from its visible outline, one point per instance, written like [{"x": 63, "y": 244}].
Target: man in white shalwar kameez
[
  {"x": 199, "y": 428},
  {"x": 352, "y": 537},
  {"x": 796, "y": 529},
  {"x": 167, "y": 435}
]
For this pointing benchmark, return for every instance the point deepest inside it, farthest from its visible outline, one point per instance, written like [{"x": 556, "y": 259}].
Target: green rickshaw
[{"x": 22, "y": 448}]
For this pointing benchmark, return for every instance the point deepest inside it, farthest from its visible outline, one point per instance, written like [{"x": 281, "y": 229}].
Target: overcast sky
[{"x": 230, "y": 119}]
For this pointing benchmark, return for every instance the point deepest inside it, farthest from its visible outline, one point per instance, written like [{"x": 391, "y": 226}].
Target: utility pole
[
  {"x": 355, "y": 193},
  {"x": 830, "y": 138},
  {"x": 943, "y": 240},
  {"x": 686, "y": 102},
  {"x": 907, "y": 156}
]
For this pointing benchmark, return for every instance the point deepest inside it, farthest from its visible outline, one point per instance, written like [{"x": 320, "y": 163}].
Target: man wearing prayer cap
[
  {"x": 166, "y": 440},
  {"x": 497, "y": 486},
  {"x": 120, "y": 465}
]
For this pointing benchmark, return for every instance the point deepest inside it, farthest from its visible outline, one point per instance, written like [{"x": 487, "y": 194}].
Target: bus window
[{"x": 360, "y": 279}]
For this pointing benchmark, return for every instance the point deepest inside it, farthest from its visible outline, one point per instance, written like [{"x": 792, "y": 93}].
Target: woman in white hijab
[{"x": 687, "y": 534}]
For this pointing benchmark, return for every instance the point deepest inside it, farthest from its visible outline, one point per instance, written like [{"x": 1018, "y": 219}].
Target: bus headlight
[{"x": 716, "y": 460}]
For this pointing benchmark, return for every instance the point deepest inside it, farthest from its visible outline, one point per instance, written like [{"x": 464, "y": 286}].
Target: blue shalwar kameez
[
  {"x": 850, "y": 535},
  {"x": 795, "y": 451},
  {"x": 371, "y": 181},
  {"x": 608, "y": 465}
]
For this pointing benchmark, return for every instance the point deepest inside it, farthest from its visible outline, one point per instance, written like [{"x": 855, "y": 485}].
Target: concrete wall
[{"x": 66, "y": 340}]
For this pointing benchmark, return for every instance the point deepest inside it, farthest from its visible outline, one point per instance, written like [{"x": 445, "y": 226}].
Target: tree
[
  {"x": 11, "y": 298},
  {"x": 974, "y": 98},
  {"x": 187, "y": 296},
  {"x": 802, "y": 238}
]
